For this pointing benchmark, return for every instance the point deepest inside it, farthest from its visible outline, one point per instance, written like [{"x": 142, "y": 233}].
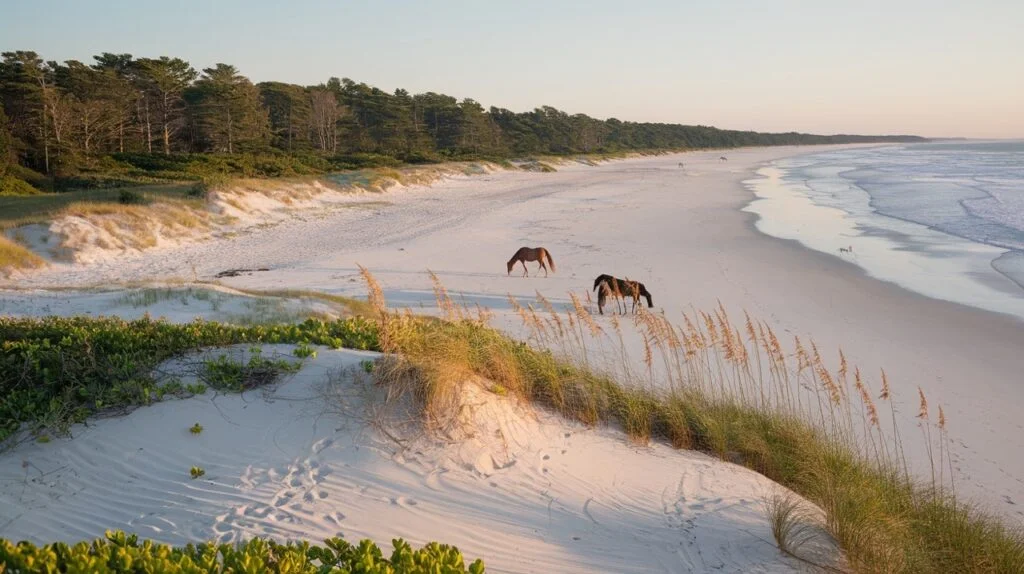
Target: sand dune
[{"x": 303, "y": 460}]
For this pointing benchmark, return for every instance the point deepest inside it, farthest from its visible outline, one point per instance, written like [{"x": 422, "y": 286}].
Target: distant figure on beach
[
  {"x": 538, "y": 254},
  {"x": 722, "y": 158},
  {"x": 606, "y": 286},
  {"x": 681, "y": 165},
  {"x": 846, "y": 249}
]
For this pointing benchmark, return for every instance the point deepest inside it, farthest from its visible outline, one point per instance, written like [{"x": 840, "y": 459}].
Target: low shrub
[
  {"x": 226, "y": 374},
  {"x": 130, "y": 197},
  {"x": 10, "y": 186},
  {"x": 119, "y": 552},
  {"x": 57, "y": 371}
]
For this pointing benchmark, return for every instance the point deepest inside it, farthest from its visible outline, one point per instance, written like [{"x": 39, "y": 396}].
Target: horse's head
[
  {"x": 646, "y": 295},
  {"x": 510, "y": 263}
]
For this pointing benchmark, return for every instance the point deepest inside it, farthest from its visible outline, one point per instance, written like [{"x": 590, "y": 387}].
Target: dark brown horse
[
  {"x": 606, "y": 286},
  {"x": 538, "y": 254}
]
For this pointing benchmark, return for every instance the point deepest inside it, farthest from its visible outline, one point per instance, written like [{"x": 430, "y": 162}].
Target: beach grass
[
  {"x": 16, "y": 256},
  {"x": 736, "y": 392}
]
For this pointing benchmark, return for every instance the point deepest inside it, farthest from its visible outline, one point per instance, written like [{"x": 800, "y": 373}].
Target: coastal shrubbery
[
  {"x": 124, "y": 553},
  {"x": 57, "y": 371}
]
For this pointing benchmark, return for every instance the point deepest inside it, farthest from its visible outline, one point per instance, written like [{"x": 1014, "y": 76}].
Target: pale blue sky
[{"x": 929, "y": 67}]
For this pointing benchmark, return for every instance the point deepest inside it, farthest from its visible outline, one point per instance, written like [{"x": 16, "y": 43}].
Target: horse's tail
[{"x": 551, "y": 261}]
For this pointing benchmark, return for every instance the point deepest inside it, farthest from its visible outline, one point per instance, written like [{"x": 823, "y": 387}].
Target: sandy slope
[{"x": 527, "y": 492}]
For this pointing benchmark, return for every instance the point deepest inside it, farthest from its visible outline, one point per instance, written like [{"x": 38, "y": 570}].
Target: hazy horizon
[{"x": 901, "y": 67}]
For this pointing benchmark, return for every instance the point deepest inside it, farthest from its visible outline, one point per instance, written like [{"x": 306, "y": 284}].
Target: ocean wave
[{"x": 943, "y": 219}]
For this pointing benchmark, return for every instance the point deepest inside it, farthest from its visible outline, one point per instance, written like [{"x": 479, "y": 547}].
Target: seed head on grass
[
  {"x": 585, "y": 317},
  {"x": 865, "y": 397},
  {"x": 376, "y": 294}
]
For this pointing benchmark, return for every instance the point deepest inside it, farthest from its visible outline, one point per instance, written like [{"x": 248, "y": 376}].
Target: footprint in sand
[
  {"x": 702, "y": 504},
  {"x": 334, "y": 518},
  {"x": 283, "y": 498},
  {"x": 259, "y": 512}
]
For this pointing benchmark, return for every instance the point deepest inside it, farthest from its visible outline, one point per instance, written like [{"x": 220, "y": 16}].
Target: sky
[{"x": 935, "y": 68}]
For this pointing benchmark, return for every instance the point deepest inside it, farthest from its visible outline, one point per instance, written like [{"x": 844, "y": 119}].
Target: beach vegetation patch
[
  {"x": 57, "y": 371},
  {"x": 225, "y": 373},
  {"x": 15, "y": 256},
  {"x": 119, "y": 552}
]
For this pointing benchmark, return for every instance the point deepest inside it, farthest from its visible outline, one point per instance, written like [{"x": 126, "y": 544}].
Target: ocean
[{"x": 944, "y": 219}]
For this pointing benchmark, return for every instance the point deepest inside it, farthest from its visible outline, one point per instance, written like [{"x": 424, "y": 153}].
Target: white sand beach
[{"x": 574, "y": 499}]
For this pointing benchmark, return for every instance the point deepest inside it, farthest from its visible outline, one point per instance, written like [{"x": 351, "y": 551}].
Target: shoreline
[
  {"x": 756, "y": 217},
  {"x": 915, "y": 256}
]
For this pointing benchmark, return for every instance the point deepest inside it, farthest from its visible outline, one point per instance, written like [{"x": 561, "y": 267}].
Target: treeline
[{"x": 62, "y": 119}]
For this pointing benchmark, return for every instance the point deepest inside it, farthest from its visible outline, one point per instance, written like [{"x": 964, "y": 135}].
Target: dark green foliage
[
  {"x": 124, "y": 121},
  {"x": 129, "y": 197},
  {"x": 125, "y": 553},
  {"x": 56, "y": 371},
  {"x": 226, "y": 374},
  {"x": 6, "y": 143},
  {"x": 11, "y": 186}
]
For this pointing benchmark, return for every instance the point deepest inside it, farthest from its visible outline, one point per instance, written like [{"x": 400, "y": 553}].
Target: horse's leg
[
  {"x": 526, "y": 272},
  {"x": 542, "y": 266}
]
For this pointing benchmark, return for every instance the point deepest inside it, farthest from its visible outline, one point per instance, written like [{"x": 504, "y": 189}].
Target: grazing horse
[
  {"x": 606, "y": 285},
  {"x": 538, "y": 254},
  {"x": 846, "y": 249},
  {"x": 722, "y": 158}
]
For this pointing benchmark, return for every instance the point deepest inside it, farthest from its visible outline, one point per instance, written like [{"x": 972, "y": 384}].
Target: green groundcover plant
[
  {"x": 121, "y": 552},
  {"x": 57, "y": 371}
]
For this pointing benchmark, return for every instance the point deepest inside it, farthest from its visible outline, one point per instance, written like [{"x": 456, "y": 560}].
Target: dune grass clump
[
  {"x": 734, "y": 391},
  {"x": 14, "y": 256}
]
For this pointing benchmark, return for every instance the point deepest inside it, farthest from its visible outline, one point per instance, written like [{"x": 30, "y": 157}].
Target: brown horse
[
  {"x": 538, "y": 254},
  {"x": 620, "y": 289}
]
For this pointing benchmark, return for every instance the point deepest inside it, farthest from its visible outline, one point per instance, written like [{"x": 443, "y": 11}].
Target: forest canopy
[{"x": 125, "y": 119}]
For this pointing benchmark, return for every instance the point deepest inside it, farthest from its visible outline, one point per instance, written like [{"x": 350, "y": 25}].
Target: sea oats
[{"x": 922, "y": 412}]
